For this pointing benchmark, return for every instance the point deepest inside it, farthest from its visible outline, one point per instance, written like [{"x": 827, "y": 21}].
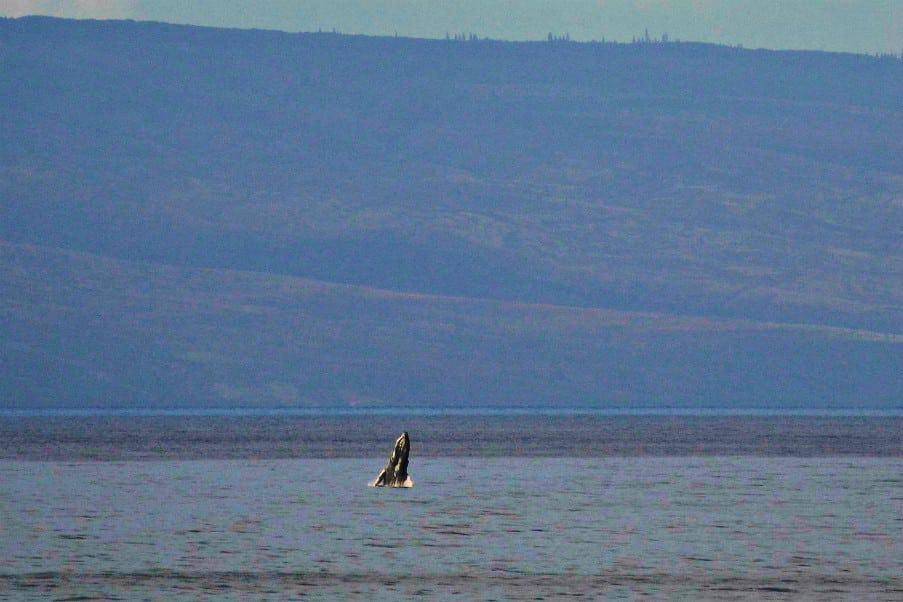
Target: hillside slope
[
  {"x": 502, "y": 182},
  {"x": 81, "y": 330}
]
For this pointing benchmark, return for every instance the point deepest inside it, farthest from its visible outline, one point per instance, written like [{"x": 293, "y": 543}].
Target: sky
[{"x": 863, "y": 26}]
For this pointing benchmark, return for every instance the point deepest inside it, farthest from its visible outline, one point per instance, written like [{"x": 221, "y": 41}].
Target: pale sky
[{"x": 841, "y": 25}]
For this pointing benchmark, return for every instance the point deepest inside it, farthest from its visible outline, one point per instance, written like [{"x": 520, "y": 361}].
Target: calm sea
[{"x": 505, "y": 506}]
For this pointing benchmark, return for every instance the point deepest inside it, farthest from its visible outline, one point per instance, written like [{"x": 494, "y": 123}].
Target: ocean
[{"x": 504, "y": 506}]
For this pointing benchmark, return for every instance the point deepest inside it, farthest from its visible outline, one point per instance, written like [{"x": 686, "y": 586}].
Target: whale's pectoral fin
[{"x": 380, "y": 480}]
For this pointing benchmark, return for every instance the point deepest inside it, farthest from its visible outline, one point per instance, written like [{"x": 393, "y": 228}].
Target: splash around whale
[{"x": 395, "y": 473}]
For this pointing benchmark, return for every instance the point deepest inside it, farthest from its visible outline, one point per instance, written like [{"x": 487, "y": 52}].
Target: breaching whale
[{"x": 395, "y": 474}]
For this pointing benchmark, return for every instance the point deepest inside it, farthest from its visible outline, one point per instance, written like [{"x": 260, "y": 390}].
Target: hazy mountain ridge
[
  {"x": 757, "y": 187},
  {"x": 82, "y": 330}
]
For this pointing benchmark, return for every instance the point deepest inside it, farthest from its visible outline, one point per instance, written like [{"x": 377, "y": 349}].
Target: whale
[{"x": 395, "y": 474}]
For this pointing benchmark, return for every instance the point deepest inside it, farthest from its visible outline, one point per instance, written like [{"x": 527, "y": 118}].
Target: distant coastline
[
  {"x": 442, "y": 412},
  {"x": 203, "y": 217}
]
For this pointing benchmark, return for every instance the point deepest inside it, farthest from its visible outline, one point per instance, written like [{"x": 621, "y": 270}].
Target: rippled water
[
  {"x": 508, "y": 528},
  {"x": 113, "y": 437}
]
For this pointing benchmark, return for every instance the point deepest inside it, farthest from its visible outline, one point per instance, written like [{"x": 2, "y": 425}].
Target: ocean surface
[
  {"x": 503, "y": 507},
  {"x": 248, "y": 434}
]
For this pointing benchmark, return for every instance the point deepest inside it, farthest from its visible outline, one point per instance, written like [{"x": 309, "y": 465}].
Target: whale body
[{"x": 395, "y": 474}]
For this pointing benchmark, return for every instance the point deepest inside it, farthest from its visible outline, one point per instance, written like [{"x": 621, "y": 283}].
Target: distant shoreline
[{"x": 443, "y": 412}]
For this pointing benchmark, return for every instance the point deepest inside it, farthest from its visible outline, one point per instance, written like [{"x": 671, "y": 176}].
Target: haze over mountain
[{"x": 203, "y": 217}]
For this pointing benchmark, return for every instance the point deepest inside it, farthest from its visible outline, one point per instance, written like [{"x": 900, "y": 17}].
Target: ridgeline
[{"x": 196, "y": 217}]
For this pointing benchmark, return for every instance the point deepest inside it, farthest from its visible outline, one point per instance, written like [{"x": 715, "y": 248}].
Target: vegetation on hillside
[{"x": 501, "y": 197}]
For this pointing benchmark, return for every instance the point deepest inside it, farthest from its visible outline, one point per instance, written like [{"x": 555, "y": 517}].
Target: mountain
[{"x": 205, "y": 217}]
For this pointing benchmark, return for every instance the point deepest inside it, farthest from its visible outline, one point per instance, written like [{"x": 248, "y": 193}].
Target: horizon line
[
  {"x": 421, "y": 412},
  {"x": 637, "y": 41}
]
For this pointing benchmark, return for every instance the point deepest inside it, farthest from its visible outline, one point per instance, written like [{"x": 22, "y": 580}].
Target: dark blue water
[
  {"x": 478, "y": 528},
  {"x": 505, "y": 505},
  {"x": 278, "y": 435}
]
